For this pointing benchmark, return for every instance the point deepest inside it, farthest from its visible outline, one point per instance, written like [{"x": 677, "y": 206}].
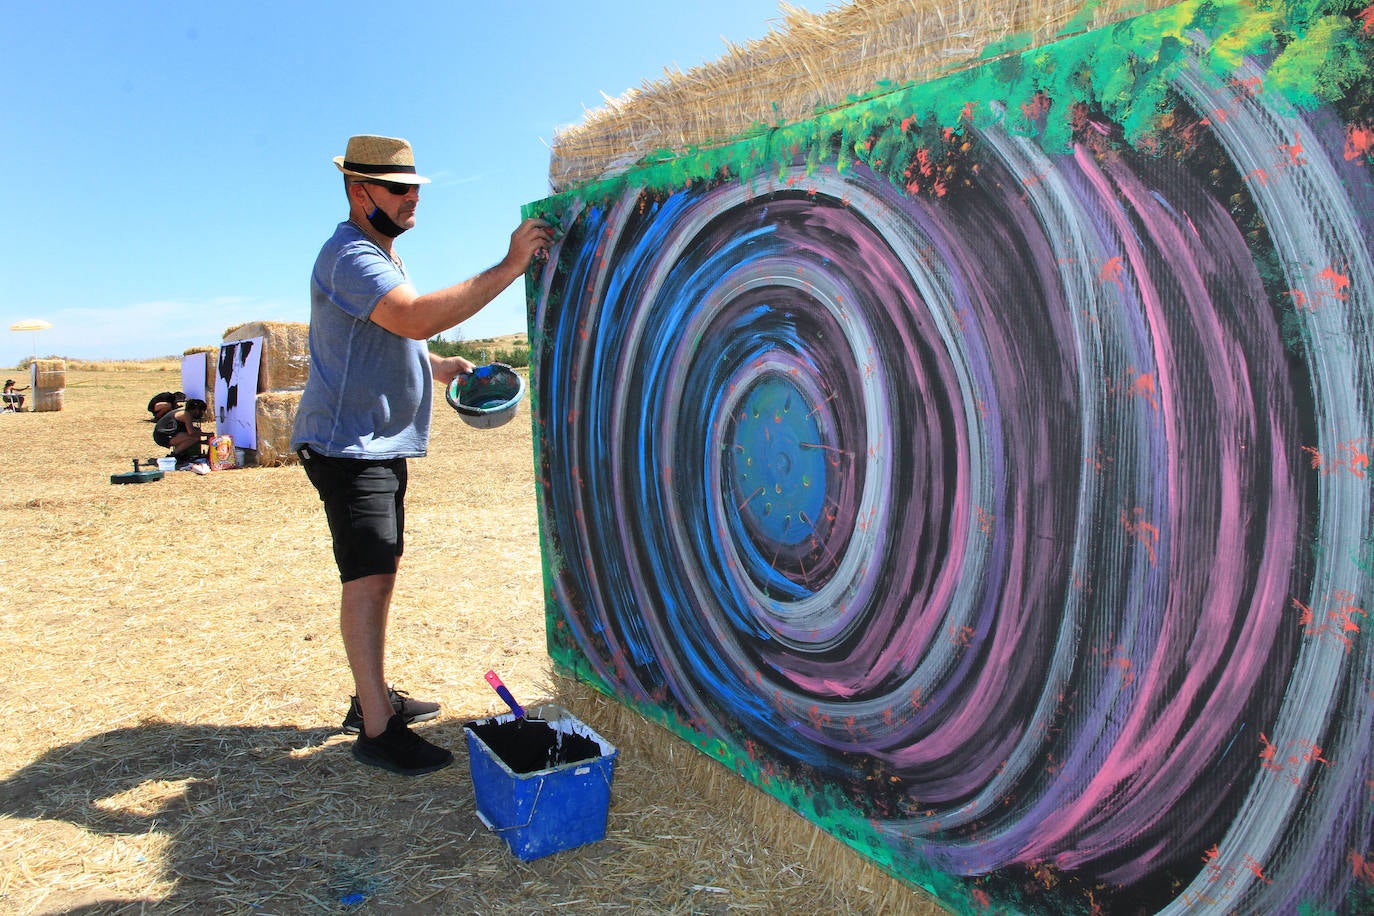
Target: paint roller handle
[{"x": 504, "y": 693}]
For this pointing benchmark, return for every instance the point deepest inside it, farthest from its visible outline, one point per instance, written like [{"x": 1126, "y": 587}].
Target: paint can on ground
[{"x": 542, "y": 784}]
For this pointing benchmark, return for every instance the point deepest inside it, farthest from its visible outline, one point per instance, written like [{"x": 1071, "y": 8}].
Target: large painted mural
[{"x": 983, "y": 467}]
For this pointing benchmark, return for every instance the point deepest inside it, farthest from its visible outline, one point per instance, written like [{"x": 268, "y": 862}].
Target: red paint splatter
[
  {"x": 1353, "y": 458},
  {"x": 916, "y": 701},
  {"x": 1338, "y": 620},
  {"x": 1141, "y": 530},
  {"x": 1366, "y": 17},
  {"x": 1144, "y": 386},
  {"x": 1359, "y": 138},
  {"x": 1111, "y": 272},
  {"x": 961, "y": 636},
  {"x": 1294, "y": 151},
  {"x": 1250, "y": 86},
  {"x": 1339, "y": 282},
  {"x": 1253, "y": 865},
  {"x": 1037, "y": 107},
  {"x": 1267, "y": 753}
]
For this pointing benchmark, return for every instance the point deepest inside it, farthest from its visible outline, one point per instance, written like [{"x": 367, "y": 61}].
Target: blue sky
[{"x": 169, "y": 162}]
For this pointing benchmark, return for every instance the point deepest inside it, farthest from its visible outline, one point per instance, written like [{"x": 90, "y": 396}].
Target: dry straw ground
[{"x": 174, "y": 690}]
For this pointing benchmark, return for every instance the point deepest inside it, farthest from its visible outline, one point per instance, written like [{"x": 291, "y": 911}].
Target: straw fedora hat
[{"x": 380, "y": 159}]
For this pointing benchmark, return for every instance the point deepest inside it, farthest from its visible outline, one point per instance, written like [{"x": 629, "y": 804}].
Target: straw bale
[
  {"x": 285, "y": 352},
  {"x": 48, "y": 400},
  {"x": 275, "y": 412},
  {"x": 211, "y": 364},
  {"x": 814, "y": 62},
  {"x": 49, "y": 375},
  {"x": 48, "y": 378}
]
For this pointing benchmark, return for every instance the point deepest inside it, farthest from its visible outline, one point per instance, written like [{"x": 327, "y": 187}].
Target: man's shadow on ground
[{"x": 246, "y": 808}]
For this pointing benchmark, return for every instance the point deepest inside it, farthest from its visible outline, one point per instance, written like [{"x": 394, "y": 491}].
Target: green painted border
[{"x": 1317, "y": 52}]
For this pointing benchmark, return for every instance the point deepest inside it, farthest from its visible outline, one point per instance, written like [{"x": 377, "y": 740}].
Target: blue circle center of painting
[{"x": 778, "y": 461}]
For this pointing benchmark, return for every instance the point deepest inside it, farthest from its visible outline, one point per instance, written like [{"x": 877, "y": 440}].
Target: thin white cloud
[
  {"x": 143, "y": 330},
  {"x": 447, "y": 180}
]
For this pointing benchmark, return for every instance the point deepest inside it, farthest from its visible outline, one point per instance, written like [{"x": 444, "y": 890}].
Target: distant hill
[{"x": 504, "y": 342}]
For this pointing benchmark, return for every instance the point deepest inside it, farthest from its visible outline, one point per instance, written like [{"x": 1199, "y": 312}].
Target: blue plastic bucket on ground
[{"x": 542, "y": 784}]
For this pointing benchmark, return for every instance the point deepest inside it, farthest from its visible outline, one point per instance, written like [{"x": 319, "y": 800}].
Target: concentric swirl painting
[{"x": 983, "y": 467}]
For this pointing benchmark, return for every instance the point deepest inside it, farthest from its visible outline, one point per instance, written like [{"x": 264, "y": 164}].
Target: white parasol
[{"x": 32, "y": 324}]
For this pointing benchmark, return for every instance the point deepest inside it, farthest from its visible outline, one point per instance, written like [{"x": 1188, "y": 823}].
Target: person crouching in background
[{"x": 179, "y": 431}]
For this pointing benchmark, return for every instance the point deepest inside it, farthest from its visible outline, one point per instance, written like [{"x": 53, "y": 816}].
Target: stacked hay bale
[
  {"x": 276, "y": 412},
  {"x": 48, "y": 379},
  {"x": 282, "y": 372}
]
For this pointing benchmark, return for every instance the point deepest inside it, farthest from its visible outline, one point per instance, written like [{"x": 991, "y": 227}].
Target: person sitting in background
[
  {"x": 13, "y": 400},
  {"x": 179, "y": 431}
]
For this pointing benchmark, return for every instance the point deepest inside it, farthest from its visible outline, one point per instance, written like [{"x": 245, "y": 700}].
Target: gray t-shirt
[{"x": 370, "y": 391}]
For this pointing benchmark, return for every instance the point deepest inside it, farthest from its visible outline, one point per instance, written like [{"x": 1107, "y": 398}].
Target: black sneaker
[
  {"x": 407, "y": 707},
  {"x": 400, "y": 750}
]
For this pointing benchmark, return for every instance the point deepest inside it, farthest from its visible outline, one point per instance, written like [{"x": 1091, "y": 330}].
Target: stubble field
[{"x": 175, "y": 683}]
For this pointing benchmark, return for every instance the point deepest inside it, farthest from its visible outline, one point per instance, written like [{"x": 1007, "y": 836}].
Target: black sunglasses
[{"x": 394, "y": 187}]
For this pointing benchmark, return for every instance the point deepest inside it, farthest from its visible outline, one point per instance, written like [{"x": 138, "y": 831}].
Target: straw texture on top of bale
[
  {"x": 815, "y": 62},
  {"x": 49, "y": 374},
  {"x": 285, "y": 361}
]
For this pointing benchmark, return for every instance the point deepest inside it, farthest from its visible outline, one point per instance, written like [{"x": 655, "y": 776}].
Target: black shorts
[{"x": 365, "y": 504}]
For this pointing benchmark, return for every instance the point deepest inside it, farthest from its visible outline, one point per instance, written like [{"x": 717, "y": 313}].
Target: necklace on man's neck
[{"x": 372, "y": 237}]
